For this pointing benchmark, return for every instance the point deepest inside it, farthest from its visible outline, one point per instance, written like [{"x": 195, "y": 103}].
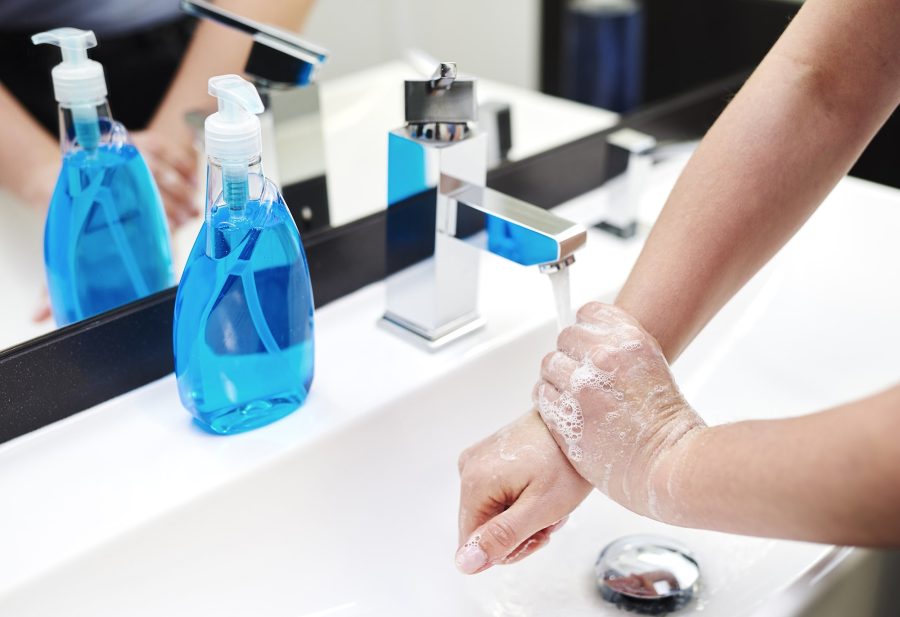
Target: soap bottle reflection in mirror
[
  {"x": 243, "y": 332},
  {"x": 106, "y": 241}
]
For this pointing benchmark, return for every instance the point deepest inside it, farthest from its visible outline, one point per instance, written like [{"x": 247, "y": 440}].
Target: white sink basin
[
  {"x": 348, "y": 507},
  {"x": 364, "y": 523}
]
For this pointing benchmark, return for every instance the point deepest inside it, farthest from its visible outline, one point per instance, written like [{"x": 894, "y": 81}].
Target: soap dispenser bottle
[
  {"x": 243, "y": 332},
  {"x": 106, "y": 241}
]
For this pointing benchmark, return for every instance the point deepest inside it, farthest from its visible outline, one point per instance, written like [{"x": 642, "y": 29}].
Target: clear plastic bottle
[
  {"x": 243, "y": 332},
  {"x": 106, "y": 241}
]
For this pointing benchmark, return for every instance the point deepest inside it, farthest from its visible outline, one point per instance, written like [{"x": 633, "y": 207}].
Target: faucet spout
[{"x": 516, "y": 230}]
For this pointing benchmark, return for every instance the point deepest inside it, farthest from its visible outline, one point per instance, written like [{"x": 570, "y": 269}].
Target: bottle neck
[
  {"x": 231, "y": 190},
  {"x": 86, "y": 127},
  {"x": 233, "y": 184}
]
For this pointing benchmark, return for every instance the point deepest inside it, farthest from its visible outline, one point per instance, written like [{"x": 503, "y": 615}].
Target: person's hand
[
  {"x": 613, "y": 406},
  {"x": 174, "y": 166},
  {"x": 37, "y": 188},
  {"x": 516, "y": 489},
  {"x": 42, "y": 310}
]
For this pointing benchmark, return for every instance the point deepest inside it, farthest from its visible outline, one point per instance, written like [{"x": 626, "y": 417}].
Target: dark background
[{"x": 690, "y": 43}]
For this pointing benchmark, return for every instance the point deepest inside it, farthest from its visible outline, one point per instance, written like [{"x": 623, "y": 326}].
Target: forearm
[
  {"x": 216, "y": 50},
  {"x": 790, "y": 134},
  {"x": 829, "y": 477},
  {"x": 26, "y": 147}
]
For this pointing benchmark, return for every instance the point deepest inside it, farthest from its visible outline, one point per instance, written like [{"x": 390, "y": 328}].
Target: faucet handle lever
[{"x": 444, "y": 76}]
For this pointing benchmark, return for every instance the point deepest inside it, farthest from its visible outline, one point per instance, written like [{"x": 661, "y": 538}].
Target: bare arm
[
  {"x": 790, "y": 134},
  {"x": 606, "y": 395},
  {"x": 832, "y": 476},
  {"x": 216, "y": 50},
  {"x": 30, "y": 171},
  {"x": 787, "y": 138}
]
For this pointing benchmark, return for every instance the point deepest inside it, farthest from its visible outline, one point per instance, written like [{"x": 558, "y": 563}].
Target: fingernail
[{"x": 470, "y": 558}]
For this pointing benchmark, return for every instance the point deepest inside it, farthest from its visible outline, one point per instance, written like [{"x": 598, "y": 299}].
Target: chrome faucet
[{"x": 437, "y": 174}]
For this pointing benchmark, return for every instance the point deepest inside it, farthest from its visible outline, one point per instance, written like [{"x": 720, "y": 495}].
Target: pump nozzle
[
  {"x": 78, "y": 82},
  {"x": 233, "y": 134},
  {"x": 73, "y": 42},
  {"x": 77, "y": 79}
]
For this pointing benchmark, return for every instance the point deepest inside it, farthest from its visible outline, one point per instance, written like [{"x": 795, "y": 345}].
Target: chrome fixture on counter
[
  {"x": 624, "y": 203},
  {"x": 436, "y": 188}
]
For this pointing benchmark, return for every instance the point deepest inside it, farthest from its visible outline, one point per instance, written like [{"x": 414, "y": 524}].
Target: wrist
[{"x": 669, "y": 471}]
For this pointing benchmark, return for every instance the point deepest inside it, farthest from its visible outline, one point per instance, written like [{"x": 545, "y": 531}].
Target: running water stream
[{"x": 559, "y": 280}]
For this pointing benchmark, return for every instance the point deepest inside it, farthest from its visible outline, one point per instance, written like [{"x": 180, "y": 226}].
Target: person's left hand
[
  {"x": 517, "y": 489},
  {"x": 174, "y": 167},
  {"x": 612, "y": 404}
]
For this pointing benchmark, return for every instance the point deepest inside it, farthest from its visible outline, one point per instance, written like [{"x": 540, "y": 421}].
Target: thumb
[{"x": 493, "y": 541}]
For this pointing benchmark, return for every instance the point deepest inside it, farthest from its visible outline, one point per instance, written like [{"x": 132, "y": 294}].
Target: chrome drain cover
[{"x": 647, "y": 574}]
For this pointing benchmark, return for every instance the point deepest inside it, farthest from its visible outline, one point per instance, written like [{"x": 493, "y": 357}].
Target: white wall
[{"x": 497, "y": 39}]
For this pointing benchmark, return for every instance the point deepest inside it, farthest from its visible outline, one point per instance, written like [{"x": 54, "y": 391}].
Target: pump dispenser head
[
  {"x": 77, "y": 80},
  {"x": 233, "y": 133}
]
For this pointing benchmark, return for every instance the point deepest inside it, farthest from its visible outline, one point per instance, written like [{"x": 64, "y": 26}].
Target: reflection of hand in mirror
[
  {"x": 174, "y": 167},
  {"x": 42, "y": 311},
  {"x": 37, "y": 186}
]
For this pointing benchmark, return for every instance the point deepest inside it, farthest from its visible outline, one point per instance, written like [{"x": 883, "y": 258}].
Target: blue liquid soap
[
  {"x": 106, "y": 241},
  {"x": 243, "y": 330}
]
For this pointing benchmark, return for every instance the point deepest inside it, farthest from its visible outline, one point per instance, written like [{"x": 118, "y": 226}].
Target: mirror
[{"x": 334, "y": 133}]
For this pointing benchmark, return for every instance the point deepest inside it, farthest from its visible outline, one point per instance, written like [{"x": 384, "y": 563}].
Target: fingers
[
  {"x": 177, "y": 194},
  {"x": 557, "y": 368},
  {"x": 535, "y": 542},
  {"x": 494, "y": 541},
  {"x": 174, "y": 168},
  {"x": 182, "y": 160},
  {"x": 579, "y": 340},
  {"x": 529, "y": 546},
  {"x": 42, "y": 312},
  {"x": 181, "y": 157},
  {"x": 600, "y": 313},
  {"x": 585, "y": 338},
  {"x": 474, "y": 510},
  {"x": 544, "y": 394}
]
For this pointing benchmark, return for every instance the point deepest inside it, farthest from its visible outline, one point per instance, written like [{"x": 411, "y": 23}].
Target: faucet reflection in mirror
[
  {"x": 437, "y": 173},
  {"x": 284, "y": 68}
]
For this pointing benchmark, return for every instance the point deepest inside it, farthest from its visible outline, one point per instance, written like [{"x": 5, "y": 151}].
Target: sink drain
[{"x": 646, "y": 574}]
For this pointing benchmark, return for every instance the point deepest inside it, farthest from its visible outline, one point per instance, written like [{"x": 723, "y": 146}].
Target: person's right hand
[
  {"x": 517, "y": 489},
  {"x": 37, "y": 188},
  {"x": 174, "y": 167}
]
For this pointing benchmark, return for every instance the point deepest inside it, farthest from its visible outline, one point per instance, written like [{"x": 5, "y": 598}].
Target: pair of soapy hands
[{"x": 608, "y": 415}]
